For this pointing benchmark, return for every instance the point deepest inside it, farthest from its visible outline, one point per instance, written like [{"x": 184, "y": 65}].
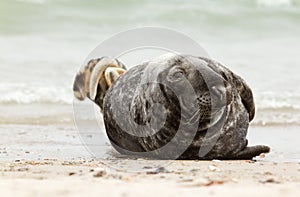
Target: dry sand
[{"x": 179, "y": 178}]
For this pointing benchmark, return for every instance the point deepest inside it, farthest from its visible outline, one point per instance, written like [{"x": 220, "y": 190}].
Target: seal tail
[{"x": 252, "y": 151}]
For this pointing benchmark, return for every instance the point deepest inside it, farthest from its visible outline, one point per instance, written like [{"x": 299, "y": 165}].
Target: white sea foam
[
  {"x": 279, "y": 101},
  {"x": 27, "y": 94},
  {"x": 274, "y": 3},
  {"x": 33, "y": 1},
  {"x": 50, "y": 104}
]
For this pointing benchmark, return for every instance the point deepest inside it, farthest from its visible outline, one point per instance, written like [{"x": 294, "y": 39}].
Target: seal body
[{"x": 180, "y": 107}]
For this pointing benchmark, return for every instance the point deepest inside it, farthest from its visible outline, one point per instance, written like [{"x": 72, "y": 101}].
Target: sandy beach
[
  {"x": 36, "y": 162},
  {"x": 180, "y": 178}
]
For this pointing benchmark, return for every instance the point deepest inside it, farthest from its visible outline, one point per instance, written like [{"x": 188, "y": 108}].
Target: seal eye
[{"x": 177, "y": 75}]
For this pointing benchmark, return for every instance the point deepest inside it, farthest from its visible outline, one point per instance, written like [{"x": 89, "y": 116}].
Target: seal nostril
[
  {"x": 218, "y": 93},
  {"x": 215, "y": 92}
]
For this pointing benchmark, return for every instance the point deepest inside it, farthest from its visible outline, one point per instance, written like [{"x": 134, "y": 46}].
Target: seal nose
[{"x": 218, "y": 94}]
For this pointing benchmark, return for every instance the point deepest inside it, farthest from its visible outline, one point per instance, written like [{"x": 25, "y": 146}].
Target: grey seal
[{"x": 212, "y": 104}]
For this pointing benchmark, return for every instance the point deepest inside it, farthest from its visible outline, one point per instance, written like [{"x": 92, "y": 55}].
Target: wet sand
[
  {"x": 52, "y": 160},
  {"x": 64, "y": 142}
]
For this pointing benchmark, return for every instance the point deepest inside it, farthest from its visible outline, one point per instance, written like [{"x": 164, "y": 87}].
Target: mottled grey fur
[{"x": 131, "y": 102}]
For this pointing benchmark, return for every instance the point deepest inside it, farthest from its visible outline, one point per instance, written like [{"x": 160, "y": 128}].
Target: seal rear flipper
[{"x": 252, "y": 151}]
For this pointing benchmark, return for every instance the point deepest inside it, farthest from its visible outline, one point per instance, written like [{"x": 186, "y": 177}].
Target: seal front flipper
[{"x": 252, "y": 151}]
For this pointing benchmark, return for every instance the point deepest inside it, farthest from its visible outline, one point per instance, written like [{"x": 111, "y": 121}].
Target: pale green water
[{"x": 44, "y": 42}]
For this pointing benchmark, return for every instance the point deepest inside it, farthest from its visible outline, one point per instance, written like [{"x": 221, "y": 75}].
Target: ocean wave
[
  {"x": 276, "y": 117},
  {"x": 274, "y": 3},
  {"x": 278, "y": 100},
  {"x": 33, "y": 1},
  {"x": 45, "y": 104},
  {"x": 26, "y": 94}
]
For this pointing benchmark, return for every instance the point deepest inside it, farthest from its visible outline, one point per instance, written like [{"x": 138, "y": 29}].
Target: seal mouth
[
  {"x": 210, "y": 120},
  {"x": 216, "y": 115}
]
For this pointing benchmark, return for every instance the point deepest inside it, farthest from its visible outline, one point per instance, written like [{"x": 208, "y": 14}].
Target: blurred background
[{"x": 44, "y": 43}]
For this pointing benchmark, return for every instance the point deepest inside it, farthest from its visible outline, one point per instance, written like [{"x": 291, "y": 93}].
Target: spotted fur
[{"x": 222, "y": 127}]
